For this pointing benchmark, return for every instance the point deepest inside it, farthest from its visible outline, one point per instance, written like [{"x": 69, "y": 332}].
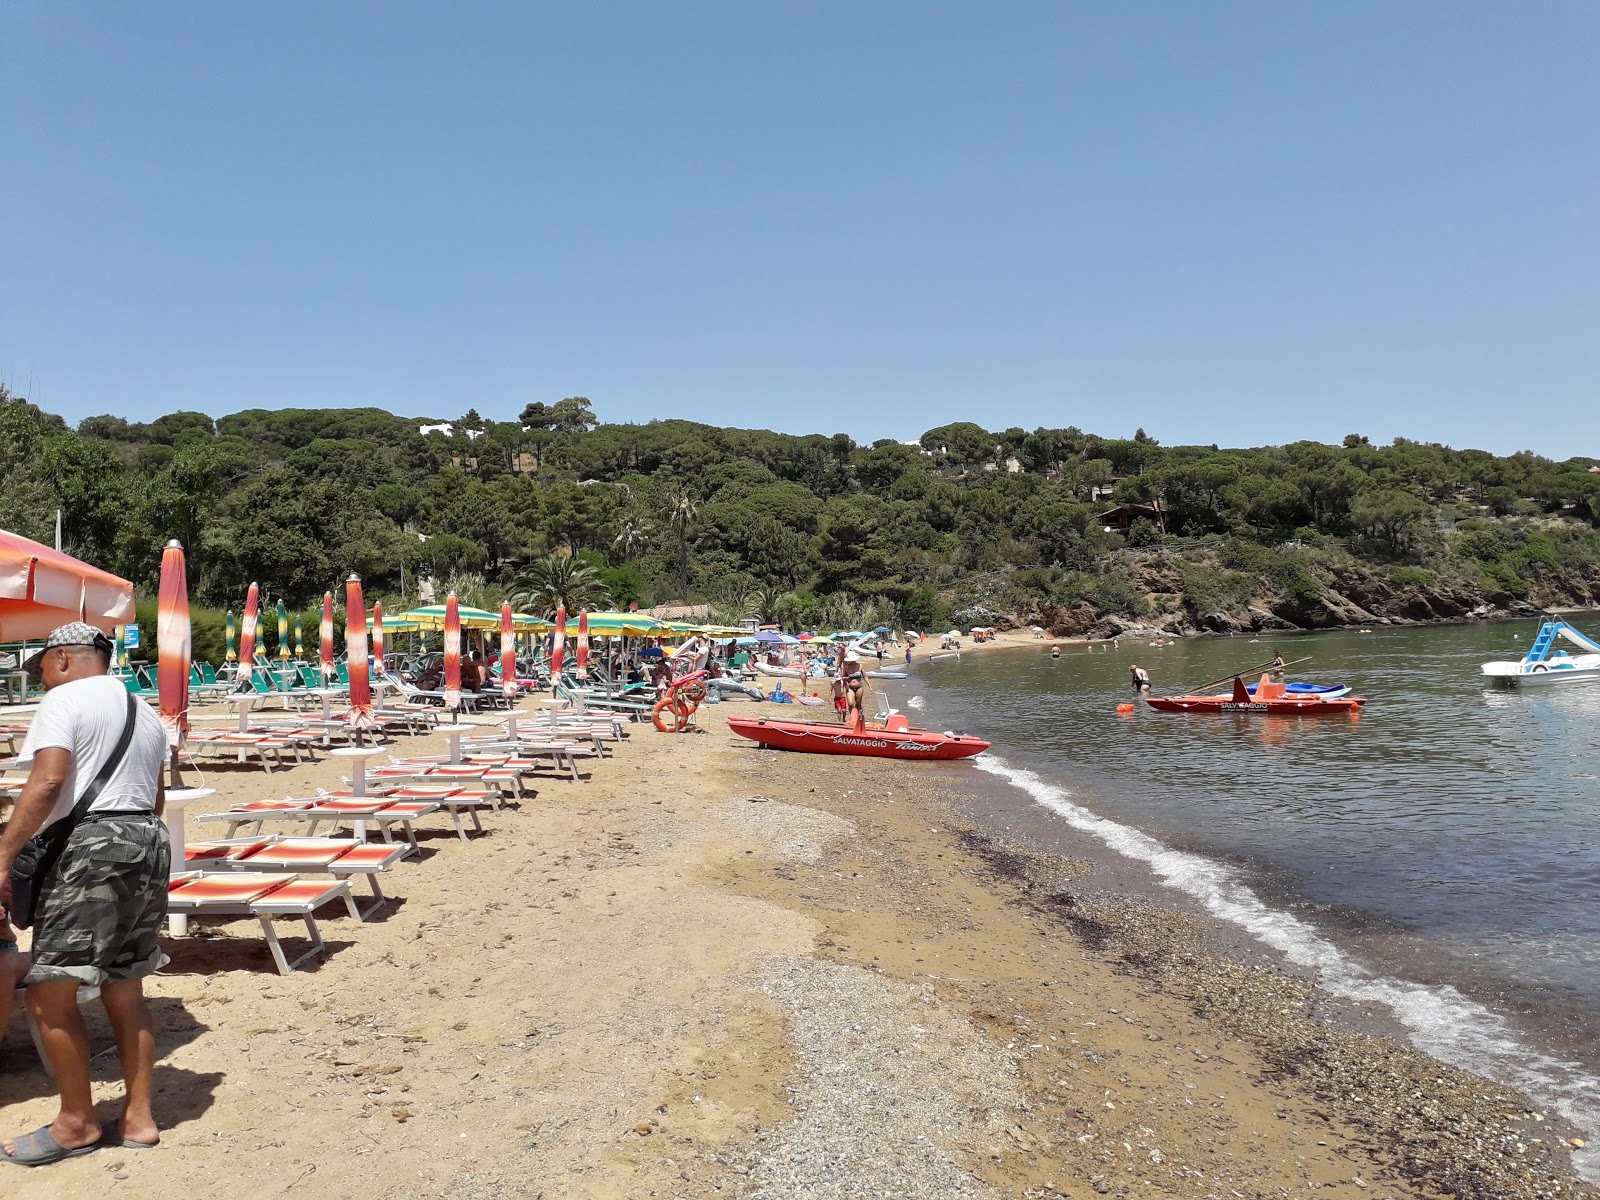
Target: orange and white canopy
[{"x": 41, "y": 588}]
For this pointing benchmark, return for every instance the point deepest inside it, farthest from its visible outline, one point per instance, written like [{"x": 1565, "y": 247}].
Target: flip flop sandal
[
  {"x": 39, "y": 1149},
  {"x": 111, "y": 1137}
]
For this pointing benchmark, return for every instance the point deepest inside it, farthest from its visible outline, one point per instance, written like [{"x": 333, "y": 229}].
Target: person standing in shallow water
[{"x": 1139, "y": 678}]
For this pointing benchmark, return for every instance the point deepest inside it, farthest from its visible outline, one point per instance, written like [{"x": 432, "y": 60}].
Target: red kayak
[
  {"x": 893, "y": 739},
  {"x": 1268, "y": 697}
]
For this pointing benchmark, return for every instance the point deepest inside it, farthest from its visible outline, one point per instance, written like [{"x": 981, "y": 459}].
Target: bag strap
[{"x": 107, "y": 770}]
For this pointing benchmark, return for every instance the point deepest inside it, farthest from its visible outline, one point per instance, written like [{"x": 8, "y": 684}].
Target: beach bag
[{"x": 38, "y": 858}]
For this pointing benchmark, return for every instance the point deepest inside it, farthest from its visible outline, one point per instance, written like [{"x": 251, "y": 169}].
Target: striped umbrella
[
  {"x": 172, "y": 649},
  {"x": 120, "y": 638},
  {"x": 228, "y": 632},
  {"x": 355, "y": 650},
  {"x": 508, "y": 651},
  {"x": 299, "y": 638},
  {"x": 329, "y": 672},
  {"x": 247, "y": 632},
  {"x": 283, "y": 631},
  {"x": 558, "y": 644},
  {"x": 583, "y": 643},
  {"x": 452, "y": 652},
  {"x": 377, "y": 640}
]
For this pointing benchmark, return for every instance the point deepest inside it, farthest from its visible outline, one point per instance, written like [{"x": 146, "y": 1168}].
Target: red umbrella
[
  {"x": 558, "y": 649},
  {"x": 583, "y": 643},
  {"x": 378, "y": 664},
  {"x": 508, "y": 651},
  {"x": 452, "y": 651},
  {"x": 247, "y": 632},
  {"x": 41, "y": 588},
  {"x": 355, "y": 651},
  {"x": 172, "y": 647},
  {"x": 329, "y": 671}
]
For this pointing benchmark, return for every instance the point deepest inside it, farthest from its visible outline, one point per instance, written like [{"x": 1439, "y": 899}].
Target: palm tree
[
  {"x": 558, "y": 580},
  {"x": 632, "y": 536},
  {"x": 766, "y": 603},
  {"x": 681, "y": 511}
]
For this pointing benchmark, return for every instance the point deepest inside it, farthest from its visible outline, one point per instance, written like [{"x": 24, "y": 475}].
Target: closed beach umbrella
[
  {"x": 558, "y": 646},
  {"x": 229, "y": 632},
  {"x": 299, "y": 638},
  {"x": 452, "y": 652},
  {"x": 247, "y": 632},
  {"x": 328, "y": 670},
  {"x": 172, "y": 647},
  {"x": 283, "y": 631},
  {"x": 355, "y": 650},
  {"x": 120, "y": 637},
  {"x": 377, "y": 640},
  {"x": 508, "y": 651},
  {"x": 583, "y": 643}
]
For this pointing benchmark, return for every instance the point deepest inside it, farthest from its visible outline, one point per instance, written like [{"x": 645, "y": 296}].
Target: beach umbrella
[
  {"x": 558, "y": 646},
  {"x": 228, "y": 633},
  {"x": 433, "y": 616},
  {"x": 299, "y": 638},
  {"x": 767, "y": 637},
  {"x": 508, "y": 651},
  {"x": 452, "y": 652},
  {"x": 41, "y": 588},
  {"x": 378, "y": 664},
  {"x": 355, "y": 649},
  {"x": 120, "y": 638},
  {"x": 583, "y": 644},
  {"x": 172, "y": 650},
  {"x": 329, "y": 671},
  {"x": 247, "y": 632}
]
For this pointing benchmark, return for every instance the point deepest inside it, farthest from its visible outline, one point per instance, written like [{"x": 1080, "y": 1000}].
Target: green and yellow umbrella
[{"x": 432, "y": 617}]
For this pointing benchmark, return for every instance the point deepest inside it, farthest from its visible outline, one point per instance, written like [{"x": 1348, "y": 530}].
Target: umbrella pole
[{"x": 174, "y": 779}]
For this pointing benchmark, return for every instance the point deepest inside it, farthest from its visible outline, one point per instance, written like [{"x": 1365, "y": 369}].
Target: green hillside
[{"x": 810, "y": 529}]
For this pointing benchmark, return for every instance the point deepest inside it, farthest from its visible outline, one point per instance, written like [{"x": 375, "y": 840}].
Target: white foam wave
[
  {"x": 1440, "y": 1020},
  {"x": 916, "y": 703}
]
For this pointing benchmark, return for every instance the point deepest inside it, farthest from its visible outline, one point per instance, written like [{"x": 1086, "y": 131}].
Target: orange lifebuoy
[{"x": 681, "y": 700}]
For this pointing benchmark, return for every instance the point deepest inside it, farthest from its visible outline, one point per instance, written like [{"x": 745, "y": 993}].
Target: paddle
[{"x": 1242, "y": 671}]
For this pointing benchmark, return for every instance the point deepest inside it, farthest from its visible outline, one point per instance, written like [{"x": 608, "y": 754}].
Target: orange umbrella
[
  {"x": 558, "y": 648},
  {"x": 508, "y": 651},
  {"x": 329, "y": 672},
  {"x": 172, "y": 647},
  {"x": 41, "y": 588},
  {"x": 377, "y": 640},
  {"x": 452, "y": 652},
  {"x": 355, "y": 651},
  {"x": 583, "y": 643},
  {"x": 247, "y": 633}
]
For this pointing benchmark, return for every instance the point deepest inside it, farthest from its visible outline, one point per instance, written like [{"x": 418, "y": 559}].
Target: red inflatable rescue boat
[
  {"x": 893, "y": 739},
  {"x": 1268, "y": 697}
]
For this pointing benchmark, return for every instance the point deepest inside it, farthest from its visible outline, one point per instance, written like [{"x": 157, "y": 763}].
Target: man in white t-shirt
[{"x": 99, "y": 910}]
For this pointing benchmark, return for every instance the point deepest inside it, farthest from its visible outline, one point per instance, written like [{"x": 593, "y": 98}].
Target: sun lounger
[
  {"x": 339, "y": 857},
  {"x": 332, "y": 809},
  {"x": 263, "y": 896}
]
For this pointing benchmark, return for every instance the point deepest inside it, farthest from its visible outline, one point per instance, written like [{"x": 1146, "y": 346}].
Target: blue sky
[{"x": 1234, "y": 222}]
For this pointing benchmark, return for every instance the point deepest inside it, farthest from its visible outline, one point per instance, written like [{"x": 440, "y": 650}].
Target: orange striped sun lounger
[
  {"x": 377, "y": 810},
  {"x": 339, "y": 857},
  {"x": 263, "y": 896}
]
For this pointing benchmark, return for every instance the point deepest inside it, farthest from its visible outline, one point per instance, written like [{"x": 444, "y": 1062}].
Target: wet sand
[{"x": 716, "y": 970}]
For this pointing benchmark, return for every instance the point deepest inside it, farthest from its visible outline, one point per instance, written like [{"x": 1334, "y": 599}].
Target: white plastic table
[
  {"x": 179, "y": 799},
  {"x": 358, "y": 756},
  {"x": 326, "y": 695},
  {"x": 455, "y": 733},
  {"x": 243, "y": 701}
]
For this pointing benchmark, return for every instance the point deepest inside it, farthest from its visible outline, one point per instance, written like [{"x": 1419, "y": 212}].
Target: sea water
[{"x": 1439, "y": 855}]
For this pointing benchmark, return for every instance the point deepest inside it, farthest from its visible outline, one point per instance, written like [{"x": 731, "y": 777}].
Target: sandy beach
[{"x": 716, "y": 970}]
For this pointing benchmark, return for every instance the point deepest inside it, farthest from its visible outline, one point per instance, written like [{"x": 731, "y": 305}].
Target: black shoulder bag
[{"x": 38, "y": 858}]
